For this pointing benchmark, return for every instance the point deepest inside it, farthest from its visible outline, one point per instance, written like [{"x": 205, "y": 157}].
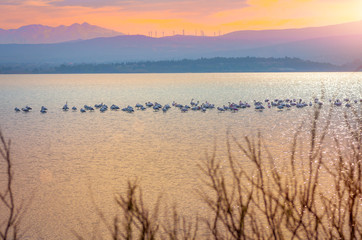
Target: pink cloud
[{"x": 156, "y": 5}]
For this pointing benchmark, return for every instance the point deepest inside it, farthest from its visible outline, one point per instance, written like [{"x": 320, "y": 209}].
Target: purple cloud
[
  {"x": 91, "y": 3},
  {"x": 11, "y": 2},
  {"x": 172, "y": 5}
]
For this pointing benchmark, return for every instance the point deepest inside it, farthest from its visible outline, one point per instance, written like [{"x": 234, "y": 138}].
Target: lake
[{"x": 69, "y": 162}]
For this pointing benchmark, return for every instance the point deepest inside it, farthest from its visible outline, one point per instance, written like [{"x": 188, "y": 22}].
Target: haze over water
[{"x": 64, "y": 159}]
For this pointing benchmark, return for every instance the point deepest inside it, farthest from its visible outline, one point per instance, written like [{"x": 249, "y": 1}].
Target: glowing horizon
[{"x": 169, "y": 17}]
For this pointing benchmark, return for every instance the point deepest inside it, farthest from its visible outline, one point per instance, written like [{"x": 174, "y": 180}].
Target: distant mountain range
[
  {"x": 35, "y": 34},
  {"x": 337, "y": 44},
  {"x": 298, "y": 34}
]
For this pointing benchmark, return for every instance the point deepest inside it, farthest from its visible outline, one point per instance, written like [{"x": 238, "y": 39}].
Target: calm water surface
[{"x": 65, "y": 159}]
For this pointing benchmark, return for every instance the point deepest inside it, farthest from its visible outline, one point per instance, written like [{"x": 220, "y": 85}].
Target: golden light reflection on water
[
  {"x": 46, "y": 176},
  {"x": 138, "y": 126},
  {"x": 67, "y": 158}
]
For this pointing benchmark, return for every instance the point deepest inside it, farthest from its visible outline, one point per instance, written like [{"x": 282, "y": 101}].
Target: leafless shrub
[
  {"x": 132, "y": 219},
  {"x": 11, "y": 211},
  {"x": 180, "y": 227},
  {"x": 267, "y": 200}
]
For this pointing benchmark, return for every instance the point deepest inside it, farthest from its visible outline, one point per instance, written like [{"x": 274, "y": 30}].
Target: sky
[{"x": 168, "y": 17}]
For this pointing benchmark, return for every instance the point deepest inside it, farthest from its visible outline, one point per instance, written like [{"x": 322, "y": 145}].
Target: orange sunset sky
[{"x": 172, "y": 16}]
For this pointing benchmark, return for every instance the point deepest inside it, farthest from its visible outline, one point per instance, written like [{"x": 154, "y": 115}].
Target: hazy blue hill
[
  {"x": 335, "y": 49},
  {"x": 114, "y": 49},
  {"x": 338, "y": 50}
]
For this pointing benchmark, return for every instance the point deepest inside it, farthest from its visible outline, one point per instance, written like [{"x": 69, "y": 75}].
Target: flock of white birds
[{"x": 279, "y": 104}]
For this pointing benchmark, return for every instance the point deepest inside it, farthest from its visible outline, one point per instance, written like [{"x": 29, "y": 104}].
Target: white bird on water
[
  {"x": 104, "y": 108},
  {"x": 138, "y": 106},
  {"x": 26, "y": 109},
  {"x": 43, "y": 109},
  {"x": 114, "y": 107},
  {"x": 98, "y": 105},
  {"x": 65, "y": 107}
]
